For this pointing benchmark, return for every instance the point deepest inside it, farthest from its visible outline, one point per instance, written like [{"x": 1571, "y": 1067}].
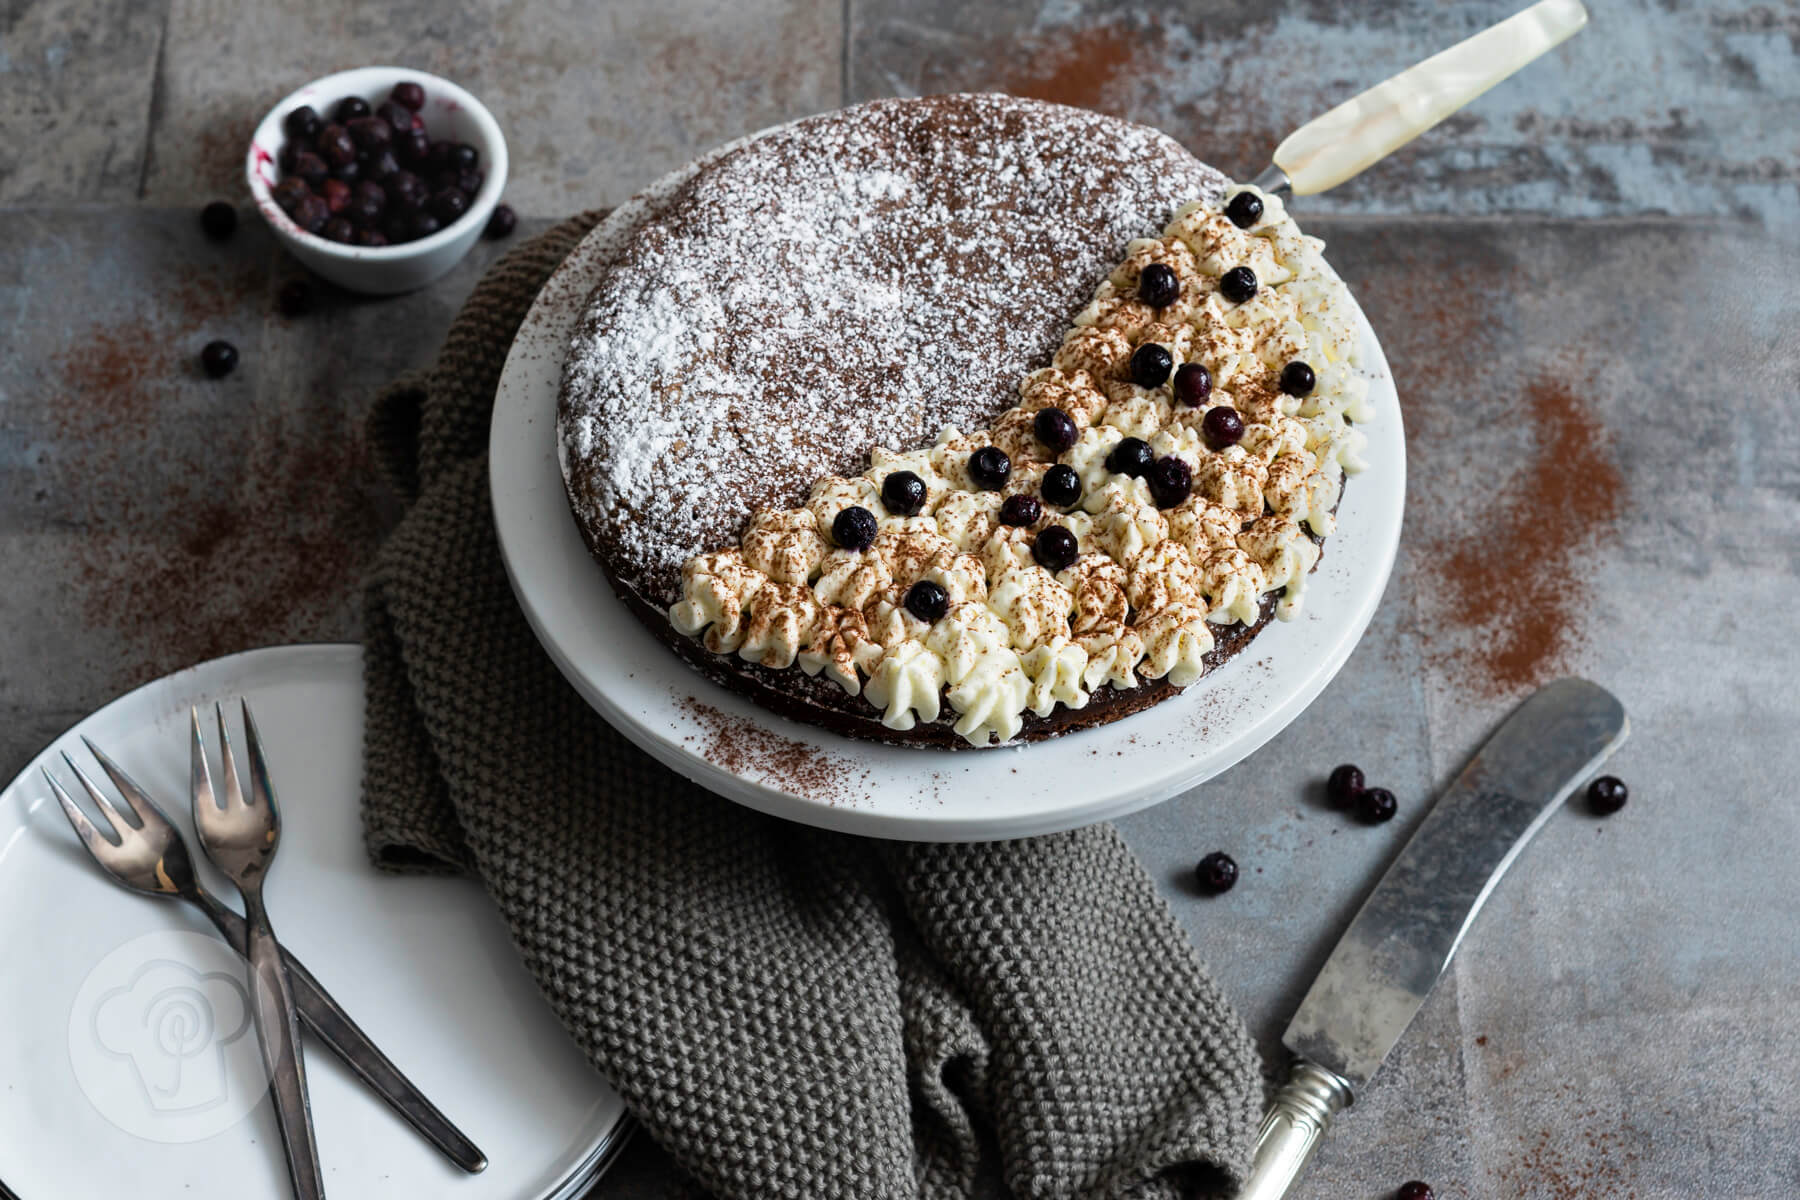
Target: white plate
[
  {"x": 127, "y": 1065},
  {"x": 741, "y": 751}
]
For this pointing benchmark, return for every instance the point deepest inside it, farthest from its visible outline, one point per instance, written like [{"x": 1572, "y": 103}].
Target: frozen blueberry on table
[
  {"x": 1061, "y": 486},
  {"x": 1132, "y": 456},
  {"x": 1055, "y": 428},
  {"x": 294, "y": 298},
  {"x": 990, "y": 468},
  {"x": 1150, "y": 365},
  {"x": 1055, "y": 548},
  {"x": 219, "y": 220},
  {"x": 927, "y": 601},
  {"x": 1021, "y": 510},
  {"x": 1344, "y": 785},
  {"x": 1193, "y": 384},
  {"x": 1222, "y": 427},
  {"x": 1238, "y": 284},
  {"x": 218, "y": 359},
  {"x": 854, "y": 528},
  {"x": 1244, "y": 210},
  {"x": 409, "y": 95},
  {"x": 1171, "y": 480},
  {"x": 501, "y": 221},
  {"x": 1376, "y": 805},
  {"x": 1216, "y": 873},
  {"x": 1297, "y": 379},
  {"x": 1158, "y": 286},
  {"x": 1414, "y": 1189},
  {"x": 449, "y": 204},
  {"x": 303, "y": 123},
  {"x": 1607, "y": 795},
  {"x": 903, "y": 493}
]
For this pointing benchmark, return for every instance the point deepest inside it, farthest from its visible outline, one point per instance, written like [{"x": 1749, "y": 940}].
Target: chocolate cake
[{"x": 809, "y": 323}]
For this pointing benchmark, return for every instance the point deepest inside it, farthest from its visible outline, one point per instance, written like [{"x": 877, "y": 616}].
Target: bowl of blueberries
[{"x": 378, "y": 179}]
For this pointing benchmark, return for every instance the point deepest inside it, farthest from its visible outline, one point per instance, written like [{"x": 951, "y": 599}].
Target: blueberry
[
  {"x": 383, "y": 165},
  {"x": 310, "y": 169},
  {"x": 1193, "y": 384},
  {"x": 302, "y": 124},
  {"x": 448, "y": 205},
  {"x": 370, "y": 133},
  {"x": 462, "y": 157},
  {"x": 408, "y": 95},
  {"x": 311, "y": 213},
  {"x": 335, "y": 145},
  {"x": 219, "y": 220},
  {"x": 288, "y": 193},
  {"x": 411, "y": 147},
  {"x": 424, "y": 224},
  {"x": 1061, "y": 486},
  {"x": 371, "y": 237},
  {"x": 1216, "y": 873},
  {"x": 406, "y": 191},
  {"x": 1297, "y": 379},
  {"x": 1132, "y": 456},
  {"x": 339, "y": 229},
  {"x": 1055, "y": 428},
  {"x": 854, "y": 528},
  {"x": 294, "y": 298},
  {"x": 1222, "y": 426},
  {"x": 398, "y": 116},
  {"x": 349, "y": 172},
  {"x": 1171, "y": 480},
  {"x": 1021, "y": 510},
  {"x": 366, "y": 204},
  {"x": 1150, "y": 365},
  {"x": 349, "y": 109},
  {"x": 1344, "y": 785},
  {"x": 1607, "y": 795},
  {"x": 1415, "y": 1189},
  {"x": 1238, "y": 284},
  {"x": 1157, "y": 285},
  {"x": 396, "y": 227},
  {"x": 284, "y": 157},
  {"x": 501, "y": 221},
  {"x": 336, "y": 194},
  {"x": 903, "y": 493},
  {"x": 1376, "y": 805},
  {"x": 437, "y": 158},
  {"x": 927, "y": 601},
  {"x": 989, "y": 467},
  {"x": 218, "y": 359},
  {"x": 1245, "y": 209},
  {"x": 1055, "y": 548}
]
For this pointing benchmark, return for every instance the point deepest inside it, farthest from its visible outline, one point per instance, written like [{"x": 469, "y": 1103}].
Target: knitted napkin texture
[{"x": 788, "y": 1012}]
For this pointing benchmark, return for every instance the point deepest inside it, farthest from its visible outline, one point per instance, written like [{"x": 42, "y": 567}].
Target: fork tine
[
  {"x": 113, "y": 816},
  {"x": 96, "y": 842},
  {"x": 200, "y": 788},
  {"x": 146, "y": 809},
  {"x": 234, "y": 791},
  {"x": 261, "y": 791}
]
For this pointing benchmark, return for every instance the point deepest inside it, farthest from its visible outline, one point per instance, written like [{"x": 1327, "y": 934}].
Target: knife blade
[{"x": 1403, "y": 938}]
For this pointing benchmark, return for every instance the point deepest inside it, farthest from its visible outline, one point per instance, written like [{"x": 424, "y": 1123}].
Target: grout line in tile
[{"x": 156, "y": 103}]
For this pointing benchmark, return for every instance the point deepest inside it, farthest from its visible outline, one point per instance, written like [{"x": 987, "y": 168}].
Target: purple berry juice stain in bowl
[{"x": 379, "y": 179}]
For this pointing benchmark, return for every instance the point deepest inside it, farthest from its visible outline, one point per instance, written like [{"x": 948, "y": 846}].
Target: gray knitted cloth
[{"x": 790, "y": 1013}]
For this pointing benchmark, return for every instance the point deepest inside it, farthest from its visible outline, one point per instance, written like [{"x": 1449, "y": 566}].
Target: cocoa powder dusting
[
  {"x": 1516, "y": 584},
  {"x": 1586, "y": 1158},
  {"x": 745, "y": 748}
]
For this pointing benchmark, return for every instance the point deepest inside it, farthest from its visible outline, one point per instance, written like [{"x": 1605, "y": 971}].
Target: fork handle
[
  {"x": 278, "y": 1029},
  {"x": 344, "y": 1038}
]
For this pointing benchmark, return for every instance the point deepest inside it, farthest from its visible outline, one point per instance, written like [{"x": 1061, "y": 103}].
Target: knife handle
[{"x": 1292, "y": 1129}]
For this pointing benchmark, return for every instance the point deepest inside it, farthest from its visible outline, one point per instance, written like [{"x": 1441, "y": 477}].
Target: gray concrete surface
[{"x": 1587, "y": 284}]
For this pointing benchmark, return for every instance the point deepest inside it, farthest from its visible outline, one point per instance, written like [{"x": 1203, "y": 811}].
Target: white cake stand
[{"x": 731, "y": 746}]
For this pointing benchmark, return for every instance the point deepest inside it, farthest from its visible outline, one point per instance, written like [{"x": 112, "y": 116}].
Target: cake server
[
  {"x": 1401, "y": 941},
  {"x": 1368, "y": 127}
]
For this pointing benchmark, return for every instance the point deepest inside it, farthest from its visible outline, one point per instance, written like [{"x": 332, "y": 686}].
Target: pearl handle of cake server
[
  {"x": 1292, "y": 1129},
  {"x": 1367, "y": 128}
]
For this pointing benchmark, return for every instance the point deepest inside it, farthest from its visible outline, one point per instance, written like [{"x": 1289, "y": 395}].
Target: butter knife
[{"x": 1401, "y": 941}]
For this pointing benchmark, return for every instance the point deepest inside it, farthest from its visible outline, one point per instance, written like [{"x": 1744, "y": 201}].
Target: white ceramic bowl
[{"x": 450, "y": 113}]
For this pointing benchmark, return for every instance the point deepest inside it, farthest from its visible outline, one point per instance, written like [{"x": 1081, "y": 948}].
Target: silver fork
[
  {"x": 241, "y": 837},
  {"x": 148, "y": 855}
]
